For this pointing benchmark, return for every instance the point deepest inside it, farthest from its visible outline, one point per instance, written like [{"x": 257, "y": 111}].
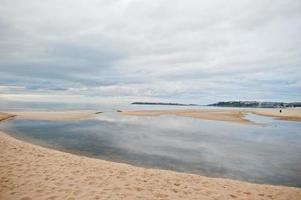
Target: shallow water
[{"x": 265, "y": 153}]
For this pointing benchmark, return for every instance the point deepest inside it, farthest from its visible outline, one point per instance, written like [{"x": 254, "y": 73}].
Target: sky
[{"x": 148, "y": 50}]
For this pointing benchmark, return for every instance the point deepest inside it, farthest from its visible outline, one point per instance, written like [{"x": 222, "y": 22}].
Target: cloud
[{"x": 192, "y": 51}]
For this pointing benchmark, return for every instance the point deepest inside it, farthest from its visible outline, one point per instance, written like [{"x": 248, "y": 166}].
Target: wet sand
[{"x": 29, "y": 172}]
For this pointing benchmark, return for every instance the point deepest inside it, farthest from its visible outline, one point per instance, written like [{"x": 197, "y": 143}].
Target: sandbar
[
  {"x": 291, "y": 114},
  {"x": 54, "y": 115},
  {"x": 224, "y": 114}
]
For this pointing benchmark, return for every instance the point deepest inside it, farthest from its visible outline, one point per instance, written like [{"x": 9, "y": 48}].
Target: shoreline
[
  {"x": 5, "y": 116},
  {"x": 28, "y": 171},
  {"x": 235, "y": 115}
]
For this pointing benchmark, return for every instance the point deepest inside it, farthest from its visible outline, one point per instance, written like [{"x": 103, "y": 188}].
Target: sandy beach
[
  {"x": 158, "y": 100},
  {"x": 53, "y": 115},
  {"x": 229, "y": 115},
  {"x": 30, "y": 172},
  {"x": 5, "y": 116},
  {"x": 292, "y": 114}
]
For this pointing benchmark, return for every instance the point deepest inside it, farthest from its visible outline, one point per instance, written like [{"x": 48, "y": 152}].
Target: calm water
[{"x": 267, "y": 153}]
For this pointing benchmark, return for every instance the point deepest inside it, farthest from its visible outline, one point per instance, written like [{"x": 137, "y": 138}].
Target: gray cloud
[{"x": 194, "y": 51}]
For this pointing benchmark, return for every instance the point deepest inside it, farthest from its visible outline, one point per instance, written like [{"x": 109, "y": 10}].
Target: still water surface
[{"x": 265, "y": 153}]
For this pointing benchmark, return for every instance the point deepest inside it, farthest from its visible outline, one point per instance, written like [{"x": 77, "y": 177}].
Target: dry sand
[
  {"x": 229, "y": 115},
  {"x": 285, "y": 114},
  {"x": 5, "y": 116},
  {"x": 30, "y": 172},
  {"x": 54, "y": 115}
]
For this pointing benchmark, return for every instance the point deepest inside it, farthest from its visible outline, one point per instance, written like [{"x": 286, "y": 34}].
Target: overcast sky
[{"x": 167, "y": 50}]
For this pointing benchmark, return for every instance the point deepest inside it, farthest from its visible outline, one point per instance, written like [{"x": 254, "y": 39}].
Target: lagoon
[{"x": 268, "y": 152}]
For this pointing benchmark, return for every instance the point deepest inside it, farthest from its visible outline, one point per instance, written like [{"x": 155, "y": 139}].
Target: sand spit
[
  {"x": 5, "y": 116},
  {"x": 54, "y": 115},
  {"x": 229, "y": 115},
  {"x": 285, "y": 114}
]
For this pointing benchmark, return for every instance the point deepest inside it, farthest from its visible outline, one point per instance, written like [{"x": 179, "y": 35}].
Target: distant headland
[
  {"x": 163, "y": 104},
  {"x": 241, "y": 104},
  {"x": 256, "y": 104}
]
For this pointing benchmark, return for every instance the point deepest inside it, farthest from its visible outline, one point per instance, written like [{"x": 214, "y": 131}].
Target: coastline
[{"x": 29, "y": 172}]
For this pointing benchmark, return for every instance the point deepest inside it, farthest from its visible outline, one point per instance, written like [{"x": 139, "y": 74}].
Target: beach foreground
[{"x": 29, "y": 172}]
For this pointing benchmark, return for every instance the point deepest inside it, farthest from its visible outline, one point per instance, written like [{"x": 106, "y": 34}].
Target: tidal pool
[{"x": 266, "y": 153}]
